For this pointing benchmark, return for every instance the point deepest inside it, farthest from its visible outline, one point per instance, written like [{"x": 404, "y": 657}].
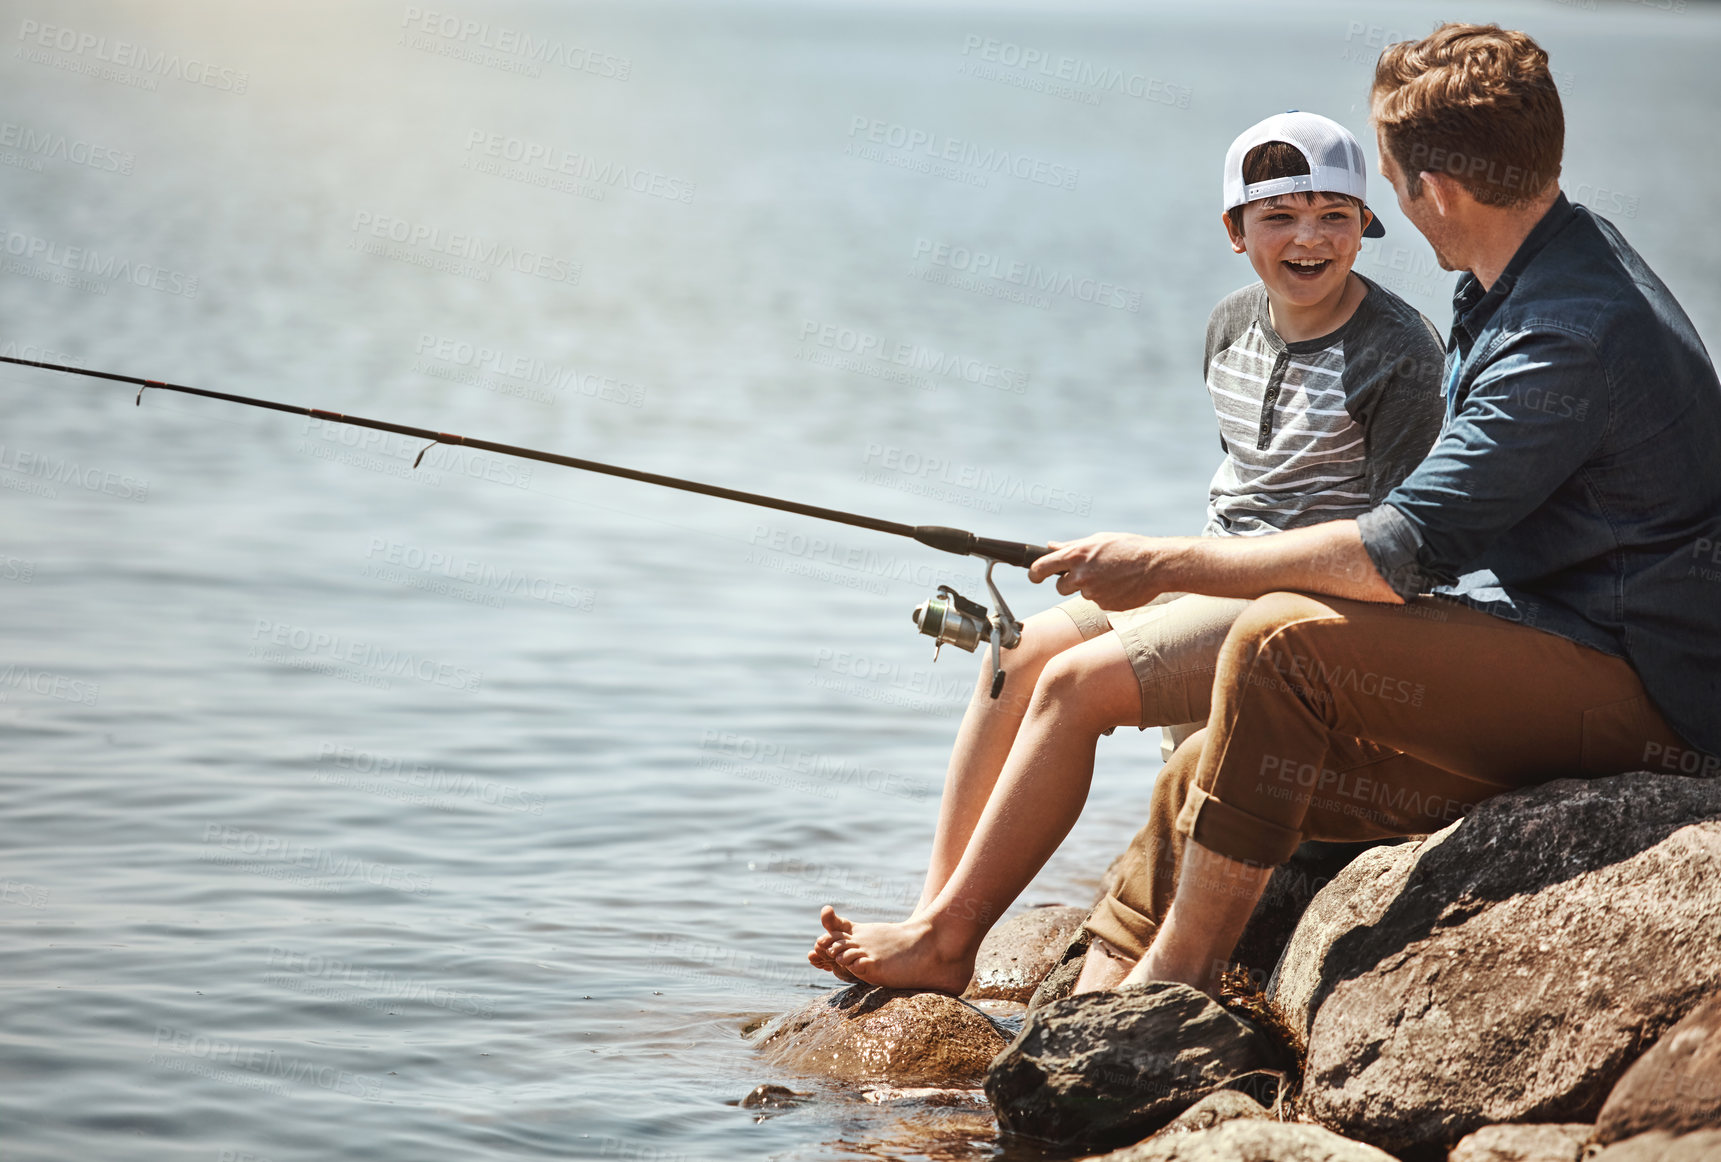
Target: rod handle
[{"x": 965, "y": 543}]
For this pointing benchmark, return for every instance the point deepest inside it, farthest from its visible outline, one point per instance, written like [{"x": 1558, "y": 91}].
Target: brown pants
[{"x": 1345, "y": 720}]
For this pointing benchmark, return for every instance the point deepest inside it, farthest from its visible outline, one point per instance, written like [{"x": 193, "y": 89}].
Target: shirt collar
[{"x": 1472, "y": 307}]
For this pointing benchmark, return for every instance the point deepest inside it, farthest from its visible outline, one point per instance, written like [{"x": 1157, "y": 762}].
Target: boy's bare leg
[
  {"x": 983, "y": 744},
  {"x": 1215, "y": 897},
  {"x": 1084, "y": 691}
]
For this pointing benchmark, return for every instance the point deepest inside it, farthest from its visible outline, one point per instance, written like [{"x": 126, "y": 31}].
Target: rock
[
  {"x": 1294, "y": 884},
  {"x": 1104, "y": 1068},
  {"x": 1061, "y": 981},
  {"x": 1251, "y": 1140},
  {"x": 1354, "y": 900},
  {"x": 1218, "y": 1107},
  {"x": 1016, "y": 955},
  {"x": 1536, "y": 1143},
  {"x": 1704, "y": 1146},
  {"x": 1676, "y": 1086},
  {"x": 868, "y": 1034},
  {"x": 1509, "y": 967},
  {"x": 771, "y": 1097}
]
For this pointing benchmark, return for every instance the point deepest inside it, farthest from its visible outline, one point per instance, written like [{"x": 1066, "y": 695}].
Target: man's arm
[{"x": 1122, "y": 571}]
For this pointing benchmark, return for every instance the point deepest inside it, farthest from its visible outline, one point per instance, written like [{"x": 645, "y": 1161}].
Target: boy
[{"x": 1327, "y": 391}]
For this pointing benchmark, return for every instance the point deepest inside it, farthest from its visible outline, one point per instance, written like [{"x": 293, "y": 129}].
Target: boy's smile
[{"x": 1303, "y": 250}]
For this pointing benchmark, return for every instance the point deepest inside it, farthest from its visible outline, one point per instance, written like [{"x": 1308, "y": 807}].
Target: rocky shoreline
[{"x": 1539, "y": 982}]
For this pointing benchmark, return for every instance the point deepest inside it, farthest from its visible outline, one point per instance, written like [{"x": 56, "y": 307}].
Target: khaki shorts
[{"x": 1172, "y": 644}]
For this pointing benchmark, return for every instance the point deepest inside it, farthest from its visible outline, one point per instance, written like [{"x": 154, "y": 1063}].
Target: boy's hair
[
  {"x": 1276, "y": 159},
  {"x": 1476, "y": 102}
]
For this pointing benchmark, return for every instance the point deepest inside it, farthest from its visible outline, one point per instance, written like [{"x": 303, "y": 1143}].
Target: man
[{"x": 1531, "y": 603}]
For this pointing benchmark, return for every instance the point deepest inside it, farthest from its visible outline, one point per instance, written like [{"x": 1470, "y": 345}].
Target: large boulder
[
  {"x": 1251, "y": 1140},
  {"x": 1552, "y": 1142},
  {"x": 867, "y": 1034},
  {"x": 1510, "y": 967},
  {"x": 1676, "y": 1086},
  {"x": 1703, "y": 1146},
  {"x": 1104, "y": 1068},
  {"x": 1018, "y": 954},
  {"x": 1289, "y": 892}
]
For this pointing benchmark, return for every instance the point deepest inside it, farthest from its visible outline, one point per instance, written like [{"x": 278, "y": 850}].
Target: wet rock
[
  {"x": 1703, "y": 1146},
  {"x": 1510, "y": 967},
  {"x": 1535, "y": 1143},
  {"x": 1252, "y": 1140},
  {"x": 1061, "y": 981},
  {"x": 1104, "y": 1068},
  {"x": 771, "y": 1097},
  {"x": 1676, "y": 1086},
  {"x": 868, "y": 1034},
  {"x": 1215, "y": 1109},
  {"x": 1016, "y": 955}
]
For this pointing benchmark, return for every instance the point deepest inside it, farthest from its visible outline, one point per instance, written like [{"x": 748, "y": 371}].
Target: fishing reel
[{"x": 951, "y": 618}]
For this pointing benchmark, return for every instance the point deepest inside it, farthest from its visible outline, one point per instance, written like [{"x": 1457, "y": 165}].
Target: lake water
[{"x": 472, "y": 812}]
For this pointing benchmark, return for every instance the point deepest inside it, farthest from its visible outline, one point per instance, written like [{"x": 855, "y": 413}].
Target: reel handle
[{"x": 965, "y": 543}]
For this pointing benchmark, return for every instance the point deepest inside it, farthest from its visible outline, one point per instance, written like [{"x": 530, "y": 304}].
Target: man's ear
[
  {"x": 1236, "y": 235},
  {"x": 1444, "y": 189}
]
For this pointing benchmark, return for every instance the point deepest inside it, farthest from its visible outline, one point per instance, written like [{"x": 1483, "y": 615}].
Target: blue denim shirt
[{"x": 1576, "y": 485}]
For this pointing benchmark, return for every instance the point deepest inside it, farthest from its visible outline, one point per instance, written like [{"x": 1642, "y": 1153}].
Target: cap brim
[{"x": 1374, "y": 228}]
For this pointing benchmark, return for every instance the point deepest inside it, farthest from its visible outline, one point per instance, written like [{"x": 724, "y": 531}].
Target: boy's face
[{"x": 1302, "y": 249}]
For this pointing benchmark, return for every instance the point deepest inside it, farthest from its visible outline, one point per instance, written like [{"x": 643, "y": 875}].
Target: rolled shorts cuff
[
  {"x": 1233, "y": 833},
  {"x": 1121, "y": 926},
  {"x": 1090, "y": 619}
]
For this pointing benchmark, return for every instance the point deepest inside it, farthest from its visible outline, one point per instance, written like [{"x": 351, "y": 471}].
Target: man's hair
[
  {"x": 1476, "y": 102},
  {"x": 1275, "y": 159}
]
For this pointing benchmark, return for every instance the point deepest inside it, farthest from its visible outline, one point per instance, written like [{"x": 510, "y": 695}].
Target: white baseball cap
[{"x": 1335, "y": 161}]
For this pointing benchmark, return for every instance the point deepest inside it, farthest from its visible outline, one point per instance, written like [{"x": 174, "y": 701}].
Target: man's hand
[
  {"x": 1123, "y": 571},
  {"x": 1112, "y": 570}
]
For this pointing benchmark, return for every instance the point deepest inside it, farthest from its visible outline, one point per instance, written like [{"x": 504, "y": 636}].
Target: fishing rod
[{"x": 947, "y": 617}]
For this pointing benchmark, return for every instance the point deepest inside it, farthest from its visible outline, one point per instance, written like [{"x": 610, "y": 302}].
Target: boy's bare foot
[
  {"x": 907, "y": 955},
  {"x": 820, "y": 956}
]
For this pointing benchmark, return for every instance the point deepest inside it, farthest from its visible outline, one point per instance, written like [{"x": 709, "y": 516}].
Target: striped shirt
[{"x": 1320, "y": 429}]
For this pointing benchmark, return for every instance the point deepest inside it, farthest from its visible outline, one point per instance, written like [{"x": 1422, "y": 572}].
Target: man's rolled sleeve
[
  {"x": 1392, "y": 544},
  {"x": 1533, "y": 414}
]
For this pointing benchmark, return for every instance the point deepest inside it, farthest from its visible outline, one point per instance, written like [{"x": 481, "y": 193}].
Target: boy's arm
[{"x": 1122, "y": 571}]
